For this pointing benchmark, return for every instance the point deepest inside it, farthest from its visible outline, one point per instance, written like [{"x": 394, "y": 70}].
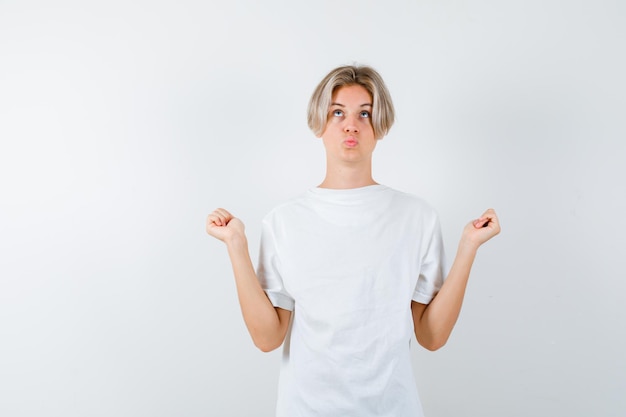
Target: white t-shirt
[{"x": 348, "y": 263}]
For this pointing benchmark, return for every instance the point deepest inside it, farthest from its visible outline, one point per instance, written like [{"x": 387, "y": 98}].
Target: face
[{"x": 349, "y": 135}]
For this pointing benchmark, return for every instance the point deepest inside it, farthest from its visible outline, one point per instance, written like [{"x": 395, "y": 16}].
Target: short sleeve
[
  {"x": 432, "y": 268},
  {"x": 269, "y": 271}
]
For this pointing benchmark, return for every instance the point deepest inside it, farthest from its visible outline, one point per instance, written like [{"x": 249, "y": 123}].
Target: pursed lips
[{"x": 351, "y": 142}]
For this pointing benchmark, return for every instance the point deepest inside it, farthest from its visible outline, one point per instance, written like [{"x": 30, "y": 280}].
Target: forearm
[
  {"x": 435, "y": 325},
  {"x": 261, "y": 318}
]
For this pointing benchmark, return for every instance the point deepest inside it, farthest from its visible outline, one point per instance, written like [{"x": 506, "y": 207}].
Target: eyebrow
[{"x": 341, "y": 105}]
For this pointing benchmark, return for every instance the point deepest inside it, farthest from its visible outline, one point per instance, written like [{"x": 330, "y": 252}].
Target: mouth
[{"x": 351, "y": 142}]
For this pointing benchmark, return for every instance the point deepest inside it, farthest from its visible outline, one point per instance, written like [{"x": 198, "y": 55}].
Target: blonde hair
[{"x": 383, "y": 112}]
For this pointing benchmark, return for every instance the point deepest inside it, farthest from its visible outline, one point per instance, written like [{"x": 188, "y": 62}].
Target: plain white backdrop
[{"x": 123, "y": 124}]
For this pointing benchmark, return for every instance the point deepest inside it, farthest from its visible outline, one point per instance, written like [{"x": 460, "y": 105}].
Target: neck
[{"x": 346, "y": 176}]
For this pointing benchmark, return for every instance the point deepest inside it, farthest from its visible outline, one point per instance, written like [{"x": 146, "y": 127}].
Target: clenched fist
[
  {"x": 481, "y": 230},
  {"x": 224, "y": 226}
]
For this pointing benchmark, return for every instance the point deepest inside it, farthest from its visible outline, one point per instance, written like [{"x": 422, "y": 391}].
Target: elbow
[
  {"x": 267, "y": 345},
  {"x": 433, "y": 344}
]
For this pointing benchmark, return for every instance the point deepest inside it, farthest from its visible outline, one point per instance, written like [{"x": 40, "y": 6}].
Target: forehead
[{"x": 350, "y": 94}]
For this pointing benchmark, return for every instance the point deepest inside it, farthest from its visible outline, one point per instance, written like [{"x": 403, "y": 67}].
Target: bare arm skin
[
  {"x": 266, "y": 324},
  {"x": 434, "y": 322}
]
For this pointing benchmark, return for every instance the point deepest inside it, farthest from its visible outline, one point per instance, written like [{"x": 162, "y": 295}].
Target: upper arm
[
  {"x": 272, "y": 338},
  {"x": 284, "y": 317},
  {"x": 417, "y": 310}
]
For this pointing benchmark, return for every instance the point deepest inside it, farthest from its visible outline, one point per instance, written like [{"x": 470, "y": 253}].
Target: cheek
[
  {"x": 333, "y": 125},
  {"x": 330, "y": 127},
  {"x": 367, "y": 123}
]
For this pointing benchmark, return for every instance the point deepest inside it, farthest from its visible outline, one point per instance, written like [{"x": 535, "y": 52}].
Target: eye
[
  {"x": 365, "y": 114},
  {"x": 337, "y": 113}
]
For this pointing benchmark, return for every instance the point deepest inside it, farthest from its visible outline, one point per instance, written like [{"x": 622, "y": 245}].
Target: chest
[{"x": 335, "y": 268}]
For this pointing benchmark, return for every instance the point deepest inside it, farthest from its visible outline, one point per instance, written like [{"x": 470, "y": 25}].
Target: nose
[{"x": 350, "y": 125}]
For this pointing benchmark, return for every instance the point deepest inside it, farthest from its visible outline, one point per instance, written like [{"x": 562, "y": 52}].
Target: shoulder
[
  {"x": 285, "y": 209},
  {"x": 413, "y": 204}
]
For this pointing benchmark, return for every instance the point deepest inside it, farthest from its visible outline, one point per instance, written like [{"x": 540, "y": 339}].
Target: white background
[{"x": 123, "y": 124}]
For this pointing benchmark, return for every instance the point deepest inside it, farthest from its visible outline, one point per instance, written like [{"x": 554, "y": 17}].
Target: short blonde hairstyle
[{"x": 383, "y": 112}]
